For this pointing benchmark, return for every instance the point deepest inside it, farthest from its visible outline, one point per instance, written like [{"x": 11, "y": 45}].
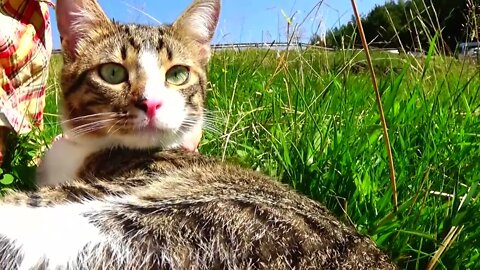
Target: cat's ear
[
  {"x": 75, "y": 18},
  {"x": 198, "y": 23}
]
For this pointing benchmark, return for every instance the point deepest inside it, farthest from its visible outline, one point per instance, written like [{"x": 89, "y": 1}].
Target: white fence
[
  {"x": 273, "y": 46},
  {"x": 270, "y": 46},
  {"x": 245, "y": 46}
]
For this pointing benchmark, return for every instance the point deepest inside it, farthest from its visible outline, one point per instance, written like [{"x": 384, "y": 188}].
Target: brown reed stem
[{"x": 380, "y": 107}]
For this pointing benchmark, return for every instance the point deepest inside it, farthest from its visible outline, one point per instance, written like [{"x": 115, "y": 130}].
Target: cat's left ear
[{"x": 198, "y": 23}]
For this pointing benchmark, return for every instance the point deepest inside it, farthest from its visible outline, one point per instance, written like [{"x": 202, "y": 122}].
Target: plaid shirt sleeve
[{"x": 25, "y": 49}]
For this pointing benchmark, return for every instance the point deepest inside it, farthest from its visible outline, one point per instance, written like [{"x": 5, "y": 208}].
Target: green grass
[{"x": 310, "y": 119}]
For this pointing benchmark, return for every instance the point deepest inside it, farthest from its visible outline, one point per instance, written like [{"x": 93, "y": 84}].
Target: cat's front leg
[{"x": 62, "y": 162}]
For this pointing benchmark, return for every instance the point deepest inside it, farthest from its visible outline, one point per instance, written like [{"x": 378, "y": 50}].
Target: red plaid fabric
[{"x": 25, "y": 50}]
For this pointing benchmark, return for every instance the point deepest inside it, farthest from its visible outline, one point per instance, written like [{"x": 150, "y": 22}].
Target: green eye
[
  {"x": 178, "y": 75},
  {"x": 113, "y": 73}
]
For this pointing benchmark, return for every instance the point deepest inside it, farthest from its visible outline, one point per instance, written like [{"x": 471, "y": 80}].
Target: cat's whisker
[
  {"x": 189, "y": 124},
  {"x": 214, "y": 121},
  {"x": 207, "y": 116},
  {"x": 115, "y": 124},
  {"x": 207, "y": 124},
  {"x": 83, "y": 132},
  {"x": 211, "y": 120},
  {"x": 212, "y": 129},
  {"x": 90, "y": 127},
  {"x": 76, "y": 135},
  {"x": 94, "y": 123},
  {"x": 94, "y": 114},
  {"x": 190, "y": 121},
  {"x": 87, "y": 129},
  {"x": 90, "y": 116},
  {"x": 213, "y": 114}
]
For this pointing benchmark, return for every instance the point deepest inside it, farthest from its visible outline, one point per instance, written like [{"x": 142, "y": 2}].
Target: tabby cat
[
  {"x": 127, "y": 85},
  {"x": 134, "y": 207}
]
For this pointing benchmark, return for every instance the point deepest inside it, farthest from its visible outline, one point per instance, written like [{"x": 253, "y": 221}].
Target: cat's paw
[{"x": 192, "y": 140}]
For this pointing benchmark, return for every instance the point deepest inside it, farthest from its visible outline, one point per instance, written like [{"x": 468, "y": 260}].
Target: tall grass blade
[{"x": 380, "y": 107}]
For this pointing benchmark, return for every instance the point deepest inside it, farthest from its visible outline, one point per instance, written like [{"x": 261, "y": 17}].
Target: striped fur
[{"x": 177, "y": 210}]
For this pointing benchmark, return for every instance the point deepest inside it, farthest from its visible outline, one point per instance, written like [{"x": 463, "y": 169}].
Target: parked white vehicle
[{"x": 469, "y": 49}]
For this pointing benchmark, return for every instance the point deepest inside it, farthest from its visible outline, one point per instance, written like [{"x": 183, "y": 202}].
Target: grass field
[{"x": 310, "y": 119}]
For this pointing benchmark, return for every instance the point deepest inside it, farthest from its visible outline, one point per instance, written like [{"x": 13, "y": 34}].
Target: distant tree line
[{"x": 410, "y": 25}]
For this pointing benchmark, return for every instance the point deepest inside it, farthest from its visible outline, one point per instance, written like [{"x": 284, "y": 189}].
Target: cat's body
[
  {"x": 134, "y": 207},
  {"x": 177, "y": 210}
]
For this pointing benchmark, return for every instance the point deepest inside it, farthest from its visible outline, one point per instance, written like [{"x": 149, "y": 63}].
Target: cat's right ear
[
  {"x": 75, "y": 18},
  {"x": 198, "y": 23}
]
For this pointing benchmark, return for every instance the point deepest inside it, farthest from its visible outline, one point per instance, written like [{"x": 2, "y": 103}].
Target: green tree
[{"x": 411, "y": 24}]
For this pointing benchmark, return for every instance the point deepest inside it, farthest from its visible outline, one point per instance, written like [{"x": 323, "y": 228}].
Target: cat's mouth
[
  {"x": 135, "y": 128},
  {"x": 153, "y": 127},
  {"x": 160, "y": 123}
]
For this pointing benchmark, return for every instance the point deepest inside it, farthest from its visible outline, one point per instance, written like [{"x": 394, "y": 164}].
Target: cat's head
[{"x": 139, "y": 86}]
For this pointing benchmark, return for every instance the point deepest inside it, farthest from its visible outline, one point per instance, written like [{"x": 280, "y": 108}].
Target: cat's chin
[
  {"x": 152, "y": 130},
  {"x": 148, "y": 139}
]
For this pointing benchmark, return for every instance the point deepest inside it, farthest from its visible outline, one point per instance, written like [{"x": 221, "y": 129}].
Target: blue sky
[{"x": 240, "y": 20}]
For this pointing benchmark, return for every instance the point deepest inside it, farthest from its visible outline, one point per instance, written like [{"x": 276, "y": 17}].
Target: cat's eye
[
  {"x": 113, "y": 73},
  {"x": 178, "y": 75}
]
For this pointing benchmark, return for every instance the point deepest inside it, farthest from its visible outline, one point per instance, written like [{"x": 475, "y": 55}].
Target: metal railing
[{"x": 274, "y": 46}]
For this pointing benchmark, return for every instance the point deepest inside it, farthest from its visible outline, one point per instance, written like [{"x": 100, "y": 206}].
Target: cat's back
[
  {"x": 195, "y": 212},
  {"x": 176, "y": 210}
]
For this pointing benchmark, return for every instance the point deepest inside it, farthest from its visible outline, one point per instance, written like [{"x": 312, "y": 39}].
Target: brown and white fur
[
  {"x": 98, "y": 115},
  {"x": 134, "y": 207}
]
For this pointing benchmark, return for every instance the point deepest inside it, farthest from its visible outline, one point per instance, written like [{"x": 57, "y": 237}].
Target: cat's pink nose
[{"x": 149, "y": 106}]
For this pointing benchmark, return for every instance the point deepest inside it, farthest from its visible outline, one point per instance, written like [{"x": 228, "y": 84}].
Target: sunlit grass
[{"x": 310, "y": 120}]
